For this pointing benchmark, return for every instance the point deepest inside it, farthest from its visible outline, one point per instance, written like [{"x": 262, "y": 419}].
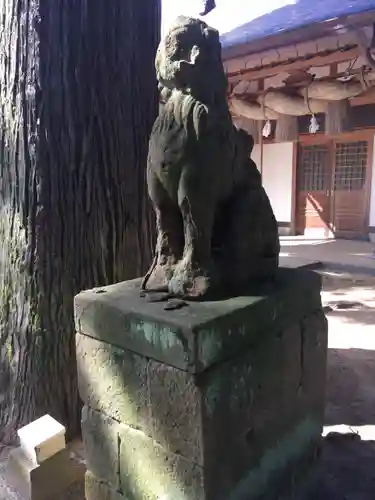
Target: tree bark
[{"x": 78, "y": 97}]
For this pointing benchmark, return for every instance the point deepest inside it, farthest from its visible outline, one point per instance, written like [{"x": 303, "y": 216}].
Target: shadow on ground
[
  {"x": 358, "y": 314},
  {"x": 350, "y": 387},
  {"x": 346, "y": 470},
  {"x": 349, "y": 299}
]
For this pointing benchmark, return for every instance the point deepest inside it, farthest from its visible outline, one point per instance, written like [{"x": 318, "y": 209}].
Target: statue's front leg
[
  {"x": 194, "y": 275},
  {"x": 170, "y": 240}
]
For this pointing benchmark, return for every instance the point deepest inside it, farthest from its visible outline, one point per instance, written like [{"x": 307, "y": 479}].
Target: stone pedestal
[{"x": 217, "y": 400}]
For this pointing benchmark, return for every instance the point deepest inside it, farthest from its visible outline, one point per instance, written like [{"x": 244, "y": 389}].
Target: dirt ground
[{"x": 346, "y": 470}]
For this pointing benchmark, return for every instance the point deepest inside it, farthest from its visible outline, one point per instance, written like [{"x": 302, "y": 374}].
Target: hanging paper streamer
[
  {"x": 314, "y": 125},
  {"x": 266, "y": 132}
]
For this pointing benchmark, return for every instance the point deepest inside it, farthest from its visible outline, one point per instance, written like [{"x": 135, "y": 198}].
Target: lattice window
[
  {"x": 351, "y": 165},
  {"x": 313, "y": 172}
]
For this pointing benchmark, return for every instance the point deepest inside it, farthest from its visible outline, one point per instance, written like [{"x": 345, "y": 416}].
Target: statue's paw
[
  {"x": 193, "y": 288},
  {"x": 192, "y": 283},
  {"x": 159, "y": 277}
]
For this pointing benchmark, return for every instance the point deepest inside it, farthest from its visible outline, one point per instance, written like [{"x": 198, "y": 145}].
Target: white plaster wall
[
  {"x": 255, "y": 155},
  {"x": 277, "y": 176},
  {"x": 372, "y": 196}
]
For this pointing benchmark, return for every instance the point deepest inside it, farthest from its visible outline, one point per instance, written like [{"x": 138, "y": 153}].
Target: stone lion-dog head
[{"x": 189, "y": 59}]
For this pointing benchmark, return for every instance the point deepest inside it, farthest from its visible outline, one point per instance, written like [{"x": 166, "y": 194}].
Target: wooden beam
[
  {"x": 333, "y": 69},
  {"x": 307, "y": 139},
  {"x": 318, "y": 60},
  {"x": 367, "y": 97}
]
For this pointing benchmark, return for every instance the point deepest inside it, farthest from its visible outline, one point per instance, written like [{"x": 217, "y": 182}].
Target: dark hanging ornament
[{"x": 208, "y": 6}]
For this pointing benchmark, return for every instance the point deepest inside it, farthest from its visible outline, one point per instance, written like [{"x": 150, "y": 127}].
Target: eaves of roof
[{"x": 303, "y": 20}]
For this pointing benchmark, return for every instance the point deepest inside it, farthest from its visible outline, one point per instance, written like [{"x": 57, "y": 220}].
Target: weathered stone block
[
  {"x": 97, "y": 489},
  {"x": 101, "y": 441},
  {"x": 114, "y": 381},
  {"x": 176, "y": 409},
  {"x": 314, "y": 338},
  {"x": 250, "y": 402},
  {"x": 149, "y": 472},
  {"x": 233, "y": 390},
  {"x": 135, "y": 465}
]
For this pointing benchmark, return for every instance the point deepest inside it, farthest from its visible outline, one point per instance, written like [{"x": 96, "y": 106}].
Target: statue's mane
[{"x": 187, "y": 112}]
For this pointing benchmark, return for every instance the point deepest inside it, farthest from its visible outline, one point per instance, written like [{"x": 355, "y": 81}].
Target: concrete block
[
  {"x": 149, "y": 472},
  {"x": 113, "y": 381},
  {"x": 127, "y": 461},
  {"x": 315, "y": 343},
  {"x": 176, "y": 410},
  {"x": 249, "y": 402},
  {"x": 189, "y": 412},
  {"x": 281, "y": 467},
  {"x": 290, "y": 355},
  {"x": 101, "y": 442},
  {"x": 97, "y": 489},
  {"x": 46, "y": 481},
  {"x": 42, "y": 438}
]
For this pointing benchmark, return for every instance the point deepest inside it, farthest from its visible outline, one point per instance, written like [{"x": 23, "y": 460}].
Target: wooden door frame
[
  {"x": 370, "y": 173},
  {"x": 368, "y": 136},
  {"x": 293, "y": 215},
  {"x": 316, "y": 139},
  {"x": 313, "y": 140}
]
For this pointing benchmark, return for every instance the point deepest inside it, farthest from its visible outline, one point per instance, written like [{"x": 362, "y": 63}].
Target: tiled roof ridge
[{"x": 293, "y": 16}]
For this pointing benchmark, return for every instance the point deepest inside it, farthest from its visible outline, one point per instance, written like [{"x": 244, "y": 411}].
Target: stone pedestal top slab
[{"x": 202, "y": 333}]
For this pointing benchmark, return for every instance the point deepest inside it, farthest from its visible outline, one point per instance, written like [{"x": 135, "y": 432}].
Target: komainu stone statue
[{"x": 216, "y": 230}]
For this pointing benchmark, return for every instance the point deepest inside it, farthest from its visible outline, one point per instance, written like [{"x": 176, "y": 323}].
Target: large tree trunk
[{"x": 77, "y": 102}]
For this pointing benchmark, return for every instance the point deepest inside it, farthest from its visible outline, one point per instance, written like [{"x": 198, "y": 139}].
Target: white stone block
[{"x": 42, "y": 439}]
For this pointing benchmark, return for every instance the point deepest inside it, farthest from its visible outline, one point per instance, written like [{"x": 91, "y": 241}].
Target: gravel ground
[{"x": 346, "y": 470}]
